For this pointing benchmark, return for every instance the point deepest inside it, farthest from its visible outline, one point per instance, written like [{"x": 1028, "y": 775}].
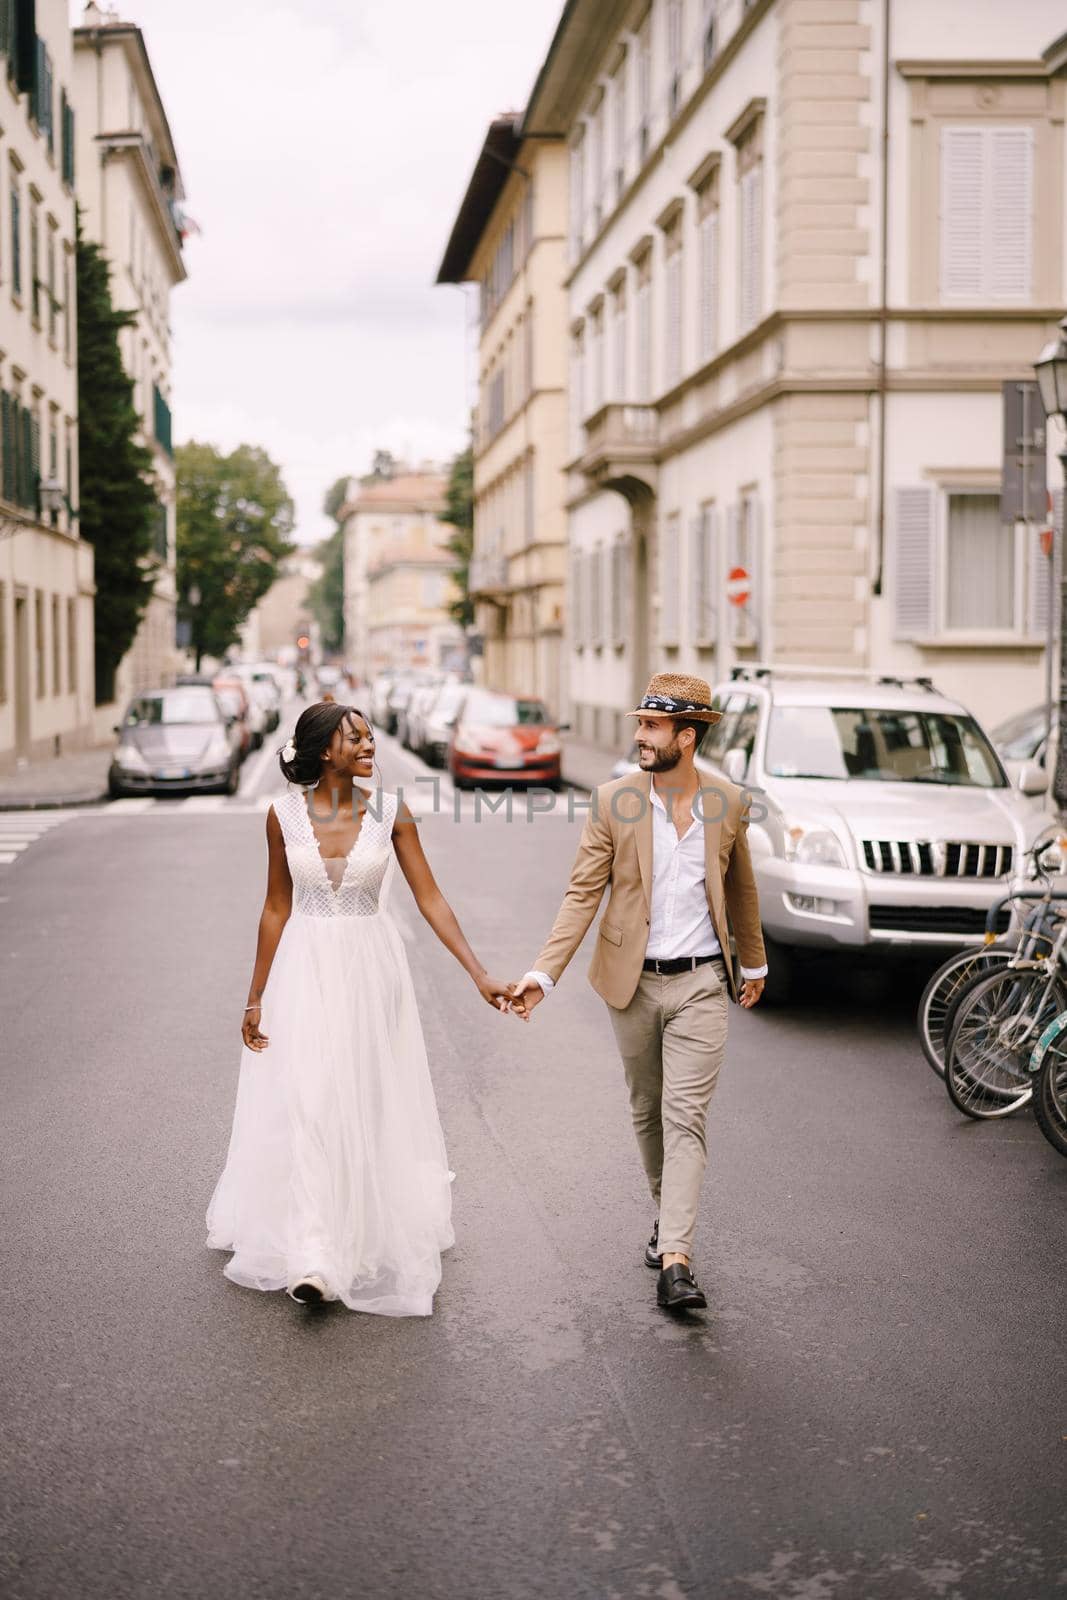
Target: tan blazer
[{"x": 616, "y": 850}]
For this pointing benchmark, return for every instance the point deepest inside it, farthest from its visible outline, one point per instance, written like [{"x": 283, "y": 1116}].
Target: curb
[{"x": 52, "y": 802}]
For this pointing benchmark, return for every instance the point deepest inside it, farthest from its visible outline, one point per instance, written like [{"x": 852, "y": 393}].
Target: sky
[{"x": 325, "y": 146}]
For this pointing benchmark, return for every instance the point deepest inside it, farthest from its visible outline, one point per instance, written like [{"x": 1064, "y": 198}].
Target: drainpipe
[{"x": 883, "y": 330}]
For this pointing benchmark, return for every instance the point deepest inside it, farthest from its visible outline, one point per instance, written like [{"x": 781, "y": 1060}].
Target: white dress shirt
[{"x": 679, "y": 919}]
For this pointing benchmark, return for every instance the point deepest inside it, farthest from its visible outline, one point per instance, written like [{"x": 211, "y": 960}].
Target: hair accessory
[{"x": 288, "y": 749}]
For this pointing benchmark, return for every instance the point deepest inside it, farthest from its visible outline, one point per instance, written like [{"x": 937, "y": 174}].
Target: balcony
[
  {"x": 488, "y": 575},
  {"x": 620, "y": 449}
]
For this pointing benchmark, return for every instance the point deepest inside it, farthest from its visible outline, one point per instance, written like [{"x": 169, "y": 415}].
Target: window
[
  {"x": 703, "y": 578},
  {"x": 67, "y": 139},
  {"x": 57, "y": 645},
  {"x": 528, "y": 502},
  {"x": 957, "y": 569},
  {"x": 67, "y": 312},
  {"x": 494, "y": 410},
  {"x": 644, "y": 329},
  {"x": 16, "y": 236},
  {"x": 577, "y": 197},
  {"x": 669, "y": 580},
  {"x": 595, "y": 140},
  {"x": 52, "y": 302},
  {"x": 886, "y": 746},
  {"x": 72, "y": 646},
  {"x": 596, "y": 357},
  {"x": 576, "y": 600},
  {"x": 35, "y": 262},
  {"x": 577, "y": 410},
  {"x": 750, "y": 228},
  {"x": 595, "y": 630},
  {"x": 743, "y": 559},
  {"x": 618, "y": 328},
  {"x": 673, "y": 346},
  {"x": 708, "y": 267},
  {"x": 644, "y": 90},
  {"x": 39, "y": 640},
  {"x": 619, "y": 126},
  {"x": 980, "y": 560},
  {"x": 986, "y": 220},
  {"x": 674, "y": 57},
  {"x": 710, "y": 31}
]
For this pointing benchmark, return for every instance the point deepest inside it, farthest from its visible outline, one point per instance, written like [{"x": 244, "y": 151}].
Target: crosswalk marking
[{"x": 20, "y": 829}]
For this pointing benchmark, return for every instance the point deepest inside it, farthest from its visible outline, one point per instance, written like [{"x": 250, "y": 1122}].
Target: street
[{"x": 871, "y": 1407}]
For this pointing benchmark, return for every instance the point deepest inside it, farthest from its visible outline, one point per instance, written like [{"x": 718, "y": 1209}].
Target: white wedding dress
[{"x": 337, "y": 1160}]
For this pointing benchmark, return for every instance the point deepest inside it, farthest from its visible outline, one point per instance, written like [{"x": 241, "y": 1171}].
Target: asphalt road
[{"x": 873, "y": 1406}]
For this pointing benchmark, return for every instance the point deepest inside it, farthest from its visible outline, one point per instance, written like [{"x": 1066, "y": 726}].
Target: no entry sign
[{"x": 738, "y": 586}]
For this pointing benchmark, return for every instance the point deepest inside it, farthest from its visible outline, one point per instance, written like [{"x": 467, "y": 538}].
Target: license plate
[
  {"x": 509, "y": 761},
  {"x": 174, "y": 772}
]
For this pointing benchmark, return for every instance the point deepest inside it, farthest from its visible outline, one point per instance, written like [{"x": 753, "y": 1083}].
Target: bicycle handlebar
[{"x": 1020, "y": 894}]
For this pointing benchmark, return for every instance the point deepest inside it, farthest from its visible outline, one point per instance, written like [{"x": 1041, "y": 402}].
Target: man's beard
[{"x": 664, "y": 760}]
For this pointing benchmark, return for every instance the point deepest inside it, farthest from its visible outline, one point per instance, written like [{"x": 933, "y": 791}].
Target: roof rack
[{"x": 749, "y": 670}]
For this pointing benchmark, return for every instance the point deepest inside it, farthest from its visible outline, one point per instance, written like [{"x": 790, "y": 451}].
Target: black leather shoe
[
  {"x": 678, "y": 1290},
  {"x": 653, "y": 1258}
]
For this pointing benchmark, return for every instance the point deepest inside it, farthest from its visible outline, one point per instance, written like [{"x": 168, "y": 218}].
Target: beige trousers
[{"x": 672, "y": 1038}]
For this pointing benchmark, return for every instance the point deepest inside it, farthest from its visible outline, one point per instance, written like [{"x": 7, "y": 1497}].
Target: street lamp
[{"x": 1051, "y": 370}]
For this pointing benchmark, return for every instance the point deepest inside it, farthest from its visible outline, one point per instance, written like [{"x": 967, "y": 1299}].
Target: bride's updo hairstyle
[{"x": 300, "y": 758}]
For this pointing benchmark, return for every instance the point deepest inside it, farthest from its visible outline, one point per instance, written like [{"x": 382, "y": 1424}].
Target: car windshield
[
  {"x": 182, "y": 706},
  {"x": 500, "y": 711},
  {"x": 889, "y": 746},
  {"x": 1018, "y": 738}
]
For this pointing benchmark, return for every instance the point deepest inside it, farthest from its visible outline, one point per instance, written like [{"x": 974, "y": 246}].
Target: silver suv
[{"x": 881, "y": 814}]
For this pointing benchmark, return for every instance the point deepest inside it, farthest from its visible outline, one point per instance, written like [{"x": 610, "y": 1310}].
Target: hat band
[{"x": 664, "y": 702}]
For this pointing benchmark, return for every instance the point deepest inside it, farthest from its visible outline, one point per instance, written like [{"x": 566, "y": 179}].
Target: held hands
[
  {"x": 519, "y": 999},
  {"x": 494, "y": 991}
]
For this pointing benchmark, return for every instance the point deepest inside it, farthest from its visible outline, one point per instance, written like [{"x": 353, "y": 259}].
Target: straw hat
[{"x": 676, "y": 694}]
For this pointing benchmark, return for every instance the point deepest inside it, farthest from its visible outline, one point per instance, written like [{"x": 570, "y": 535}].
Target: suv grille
[
  {"x": 935, "y": 919},
  {"x": 926, "y": 860}
]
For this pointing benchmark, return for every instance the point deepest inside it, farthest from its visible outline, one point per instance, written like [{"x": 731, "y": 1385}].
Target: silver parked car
[
  {"x": 882, "y": 817},
  {"x": 176, "y": 741}
]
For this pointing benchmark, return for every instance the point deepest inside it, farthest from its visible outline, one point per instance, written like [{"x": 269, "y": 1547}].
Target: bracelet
[{"x": 255, "y": 1006}]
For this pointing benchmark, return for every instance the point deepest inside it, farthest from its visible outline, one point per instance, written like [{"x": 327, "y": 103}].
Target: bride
[{"x": 336, "y": 1184}]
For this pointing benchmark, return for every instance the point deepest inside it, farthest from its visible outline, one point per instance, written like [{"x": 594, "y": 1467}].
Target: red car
[{"x": 501, "y": 737}]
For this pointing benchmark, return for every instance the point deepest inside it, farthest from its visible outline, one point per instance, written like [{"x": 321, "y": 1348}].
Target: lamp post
[{"x": 1051, "y": 371}]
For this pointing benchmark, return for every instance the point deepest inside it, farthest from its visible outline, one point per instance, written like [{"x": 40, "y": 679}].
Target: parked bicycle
[
  {"x": 1035, "y": 935},
  {"x": 1048, "y": 1066}
]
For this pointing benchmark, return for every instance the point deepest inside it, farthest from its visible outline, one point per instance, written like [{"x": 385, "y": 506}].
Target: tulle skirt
[{"x": 337, "y": 1161}]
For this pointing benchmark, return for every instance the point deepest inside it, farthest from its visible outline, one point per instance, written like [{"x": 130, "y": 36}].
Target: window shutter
[
  {"x": 33, "y": 447},
  {"x": 962, "y": 168},
  {"x": 669, "y": 581},
  {"x": 703, "y": 587},
  {"x": 751, "y": 262},
  {"x": 1011, "y": 212},
  {"x": 577, "y": 612},
  {"x": 674, "y": 317},
  {"x": 7, "y": 408},
  {"x": 620, "y": 557},
  {"x": 752, "y": 561},
  {"x": 25, "y": 45},
  {"x": 596, "y": 597},
  {"x": 913, "y": 556},
  {"x": 1042, "y": 571},
  {"x": 709, "y": 283}
]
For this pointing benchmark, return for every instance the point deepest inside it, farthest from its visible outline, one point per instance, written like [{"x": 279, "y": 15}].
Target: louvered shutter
[
  {"x": 674, "y": 317},
  {"x": 577, "y": 618},
  {"x": 7, "y": 410},
  {"x": 913, "y": 563},
  {"x": 752, "y": 561},
  {"x": 669, "y": 581},
  {"x": 961, "y": 215},
  {"x": 33, "y": 442},
  {"x": 620, "y": 555},
  {"x": 709, "y": 284},
  {"x": 706, "y": 631},
  {"x": 751, "y": 253},
  {"x": 1011, "y": 212},
  {"x": 1042, "y": 571},
  {"x": 596, "y": 599}
]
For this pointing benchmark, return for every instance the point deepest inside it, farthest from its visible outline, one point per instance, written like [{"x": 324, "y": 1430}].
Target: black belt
[{"x": 667, "y": 964}]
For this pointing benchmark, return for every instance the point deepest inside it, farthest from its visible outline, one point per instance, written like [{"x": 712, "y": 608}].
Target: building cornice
[
  {"x": 972, "y": 69},
  {"x": 743, "y": 125},
  {"x": 132, "y": 146}
]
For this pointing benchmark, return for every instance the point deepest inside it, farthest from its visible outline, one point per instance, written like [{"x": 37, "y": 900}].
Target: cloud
[{"x": 325, "y": 149}]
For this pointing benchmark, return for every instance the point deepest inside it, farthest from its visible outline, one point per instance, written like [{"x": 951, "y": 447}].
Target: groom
[{"x": 680, "y": 878}]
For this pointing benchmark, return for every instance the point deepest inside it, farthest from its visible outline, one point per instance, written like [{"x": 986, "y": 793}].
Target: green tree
[
  {"x": 326, "y": 596},
  {"x": 459, "y": 511},
  {"x": 234, "y": 521},
  {"x": 118, "y": 506}
]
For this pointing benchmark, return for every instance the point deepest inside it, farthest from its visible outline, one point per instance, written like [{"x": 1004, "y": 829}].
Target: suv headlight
[{"x": 814, "y": 847}]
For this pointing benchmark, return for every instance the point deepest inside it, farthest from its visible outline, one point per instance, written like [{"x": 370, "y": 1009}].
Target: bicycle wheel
[
  {"x": 937, "y": 1004},
  {"x": 998, "y": 1021},
  {"x": 1050, "y": 1094}
]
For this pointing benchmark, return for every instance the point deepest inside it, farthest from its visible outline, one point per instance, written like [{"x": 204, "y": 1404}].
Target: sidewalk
[{"x": 78, "y": 779}]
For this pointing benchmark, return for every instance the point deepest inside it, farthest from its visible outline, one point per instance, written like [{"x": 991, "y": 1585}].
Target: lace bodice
[{"x": 359, "y": 876}]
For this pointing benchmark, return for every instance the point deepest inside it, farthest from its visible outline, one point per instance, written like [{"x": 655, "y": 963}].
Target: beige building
[
  {"x": 809, "y": 240},
  {"x": 398, "y": 574},
  {"x": 283, "y": 615},
  {"x": 130, "y": 191},
  {"x": 46, "y": 570},
  {"x": 509, "y": 238}
]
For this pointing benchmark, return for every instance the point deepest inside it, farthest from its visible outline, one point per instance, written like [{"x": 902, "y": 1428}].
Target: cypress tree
[{"x": 117, "y": 498}]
